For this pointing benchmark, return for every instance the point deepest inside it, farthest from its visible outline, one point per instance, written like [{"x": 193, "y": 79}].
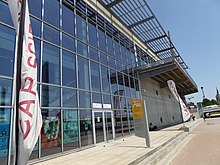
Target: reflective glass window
[
  {"x": 131, "y": 121},
  {"x": 68, "y": 42},
  {"x": 132, "y": 89},
  {"x": 83, "y": 73},
  {"x": 112, "y": 63},
  {"x": 118, "y": 65},
  {"x": 84, "y": 99},
  {"x": 37, "y": 51},
  {"x": 103, "y": 58},
  {"x": 93, "y": 53},
  {"x": 117, "y": 50},
  {"x": 51, "y": 132},
  {"x": 5, "y": 92},
  {"x": 35, "y": 7},
  {"x": 51, "y": 34},
  {"x": 82, "y": 49},
  {"x": 36, "y": 27},
  {"x": 102, "y": 40},
  {"x": 81, "y": 28},
  {"x": 50, "y": 96},
  {"x": 68, "y": 18},
  {"x": 114, "y": 84},
  {"x": 69, "y": 98},
  {"x": 120, "y": 81},
  {"x": 69, "y": 69},
  {"x": 5, "y": 134},
  {"x": 125, "y": 122},
  {"x": 106, "y": 99},
  {"x": 96, "y": 98},
  {"x": 92, "y": 34},
  {"x": 7, "y": 40},
  {"x": 110, "y": 46},
  {"x": 95, "y": 76},
  {"x": 70, "y": 129},
  {"x": 127, "y": 86},
  {"x": 86, "y": 130},
  {"x": 137, "y": 89},
  {"x": 51, "y": 12},
  {"x": 51, "y": 64},
  {"x": 105, "y": 79},
  {"x": 5, "y": 15},
  {"x": 118, "y": 123}
]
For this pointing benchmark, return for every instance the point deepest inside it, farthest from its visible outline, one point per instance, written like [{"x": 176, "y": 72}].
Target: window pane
[
  {"x": 127, "y": 86},
  {"x": 35, "y": 8},
  {"x": 106, "y": 99},
  {"x": 36, "y": 27},
  {"x": 86, "y": 132},
  {"x": 92, "y": 35},
  {"x": 96, "y": 98},
  {"x": 69, "y": 69},
  {"x": 51, "y": 64},
  {"x": 110, "y": 46},
  {"x": 69, "y": 43},
  {"x": 52, "y": 35},
  {"x": 70, "y": 130},
  {"x": 114, "y": 84},
  {"x": 5, "y": 15},
  {"x": 93, "y": 53},
  {"x": 103, "y": 58},
  {"x": 68, "y": 24},
  {"x": 95, "y": 76},
  {"x": 51, "y": 12},
  {"x": 5, "y": 134},
  {"x": 83, "y": 73},
  {"x": 125, "y": 122},
  {"x": 84, "y": 99},
  {"x": 7, "y": 40},
  {"x": 69, "y": 98},
  {"x": 118, "y": 123},
  {"x": 117, "y": 50},
  {"x": 37, "y": 51},
  {"x": 102, "y": 41},
  {"x": 82, "y": 49},
  {"x": 51, "y": 132},
  {"x": 112, "y": 63},
  {"x": 105, "y": 80},
  {"x": 5, "y": 92},
  {"x": 50, "y": 96},
  {"x": 81, "y": 28}
]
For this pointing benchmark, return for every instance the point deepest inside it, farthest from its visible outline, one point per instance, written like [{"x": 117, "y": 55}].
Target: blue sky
[{"x": 194, "y": 26}]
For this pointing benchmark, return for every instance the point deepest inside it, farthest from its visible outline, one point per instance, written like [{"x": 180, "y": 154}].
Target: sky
[{"x": 194, "y": 27}]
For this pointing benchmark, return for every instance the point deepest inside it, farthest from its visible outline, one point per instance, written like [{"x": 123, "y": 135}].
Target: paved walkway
[{"x": 123, "y": 151}]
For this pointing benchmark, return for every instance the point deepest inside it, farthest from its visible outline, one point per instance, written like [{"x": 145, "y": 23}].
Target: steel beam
[{"x": 141, "y": 21}]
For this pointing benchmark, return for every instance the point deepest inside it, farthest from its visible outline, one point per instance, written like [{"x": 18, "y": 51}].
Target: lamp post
[{"x": 203, "y": 94}]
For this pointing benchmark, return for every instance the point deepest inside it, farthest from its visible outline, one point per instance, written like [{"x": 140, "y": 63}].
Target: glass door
[
  {"x": 109, "y": 125},
  {"x": 98, "y": 125}
]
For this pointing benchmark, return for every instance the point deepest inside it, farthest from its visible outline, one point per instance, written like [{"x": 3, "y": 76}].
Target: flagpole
[{"x": 18, "y": 76}]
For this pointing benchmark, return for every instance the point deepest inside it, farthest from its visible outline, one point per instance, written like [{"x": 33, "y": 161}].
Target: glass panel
[
  {"x": 84, "y": 99},
  {"x": 99, "y": 132},
  {"x": 83, "y": 73},
  {"x": 35, "y": 153},
  {"x": 112, "y": 63},
  {"x": 70, "y": 130},
  {"x": 51, "y": 12},
  {"x": 96, "y": 98},
  {"x": 127, "y": 86},
  {"x": 108, "y": 125},
  {"x": 110, "y": 46},
  {"x": 68, "y": 24},
  {"x": 5, "y": 15},
  {"x": 105, "y": 80},
  {"x": 7, "y": 40},
  {"x": 102, "y": 40},
  {"x": 118, "y": 123},
  {"x": 86, "y": 132},
  {"x": 37, "y": 51},
  {"x": 50, "y": 96},
  {"x": 137, "y": 89},
  {"x": 51, "y": 132},
  {"x": 51, "y": 64},
  {"x": 117, "y": 50},
  {"x": 132, "y": 89},
  {"x": 114, "y": 85},
  {"x": 92, "y": 35},
  {"x": 120, "y": 81},
  {"x": 106, "y": 99},
  {"x": 95, "y": 76},
  {"x": 125, "y": 122},
  {"x": 103, "y": 58},
  {"x": 69, "y": 98},
  {"x": 81, "y": 28},
  {"x": 93, "y": 53},
  {"x": 35, "y": 8},
  {"x": 5, "y": 92},
  {"x": 68, "y": 42},
  {"x": 82, "y": 49},
  {"x": 4, "y": 134},
  {"x": 69, "y": 69},
  {"x": 52, "y": 35},
  {"x": 131, "y": 121}
]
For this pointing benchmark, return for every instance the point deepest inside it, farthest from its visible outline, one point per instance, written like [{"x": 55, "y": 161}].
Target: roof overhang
[{"x": 168, "y": 69}]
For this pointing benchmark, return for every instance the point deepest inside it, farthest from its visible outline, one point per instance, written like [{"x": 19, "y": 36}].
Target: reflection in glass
[
  {"x": 5, "y": 92},
  {"x": 50, "y": 96},
  {"x": 37, "y": 52},
  {"x": 51, "y": 12},
  {"x": 81, "y": 28},
  {"x": 95, "y": 76},
  {"x": 51, "y": 132},
  {"x": 69, "y": 69},
  {"x": 36, "y": 27},
  {"x": 102, "y": 40},
  {"x": 83, "y": 73},
  {"x": 125, "y": 122},
  {"x": 84, "y": 99},
  {"x": 7, "y": 40},
  {"x": 68, "y": 18},
  {"x": 82, "y": 49},
  {"x": 51, "y": 34},
  {"x": 118, "y": 123},
  {"x": 51, "y": 64},
  {"x": 108, "y": 125},
  {"x": 70, "y": 130},
  {"x": 131, "y": 121},
  {"x": 93, "y": 54},
  {"x": 92, "y": 34},
  {"x": 35, "y": 8},
  {"x": 5, "y": 15},
  {"x": 86, "y": 131},
  {"x": 113, "y": 78},
  {"x": 68, "y": 42},
  {"x": 69, "y": 98},
  {"x": 105, "y": 79},
  {"x": 99, "y": 132},
  {"x": 96, "y": 98},
  {"x": 103, "y": 58}
]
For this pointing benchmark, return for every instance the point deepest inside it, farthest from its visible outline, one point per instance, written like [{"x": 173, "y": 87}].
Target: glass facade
[{"x": 82, "y": 59}]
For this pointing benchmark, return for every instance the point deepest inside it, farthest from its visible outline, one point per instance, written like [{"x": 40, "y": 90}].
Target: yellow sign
[{"x": 137, "y": 109}]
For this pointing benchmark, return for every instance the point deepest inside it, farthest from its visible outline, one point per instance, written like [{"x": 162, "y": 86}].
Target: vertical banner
[
  {"x": 29, "y": 113},
  {"x": 184, "y": 109}
]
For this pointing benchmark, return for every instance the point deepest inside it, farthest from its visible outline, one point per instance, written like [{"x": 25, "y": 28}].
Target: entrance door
[{"x": 102, "y": 126}]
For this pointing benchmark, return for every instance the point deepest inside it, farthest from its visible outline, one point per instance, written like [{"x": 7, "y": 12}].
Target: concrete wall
[{"x": 163, "y": 110}]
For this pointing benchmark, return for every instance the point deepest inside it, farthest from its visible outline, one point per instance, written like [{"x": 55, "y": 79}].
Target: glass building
[{"x": 86, "y": 77}]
